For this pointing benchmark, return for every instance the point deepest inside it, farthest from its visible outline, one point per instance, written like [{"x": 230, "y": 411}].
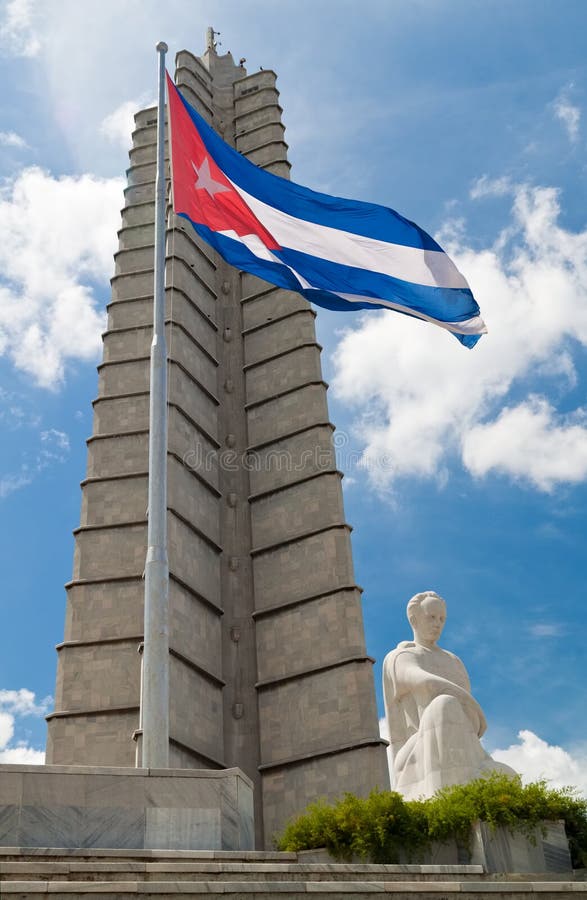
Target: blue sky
[{"x": 467, "y": 116}]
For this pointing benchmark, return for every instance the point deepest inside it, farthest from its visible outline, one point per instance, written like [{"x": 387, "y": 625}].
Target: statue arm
[{"x": 410, "y": 678}]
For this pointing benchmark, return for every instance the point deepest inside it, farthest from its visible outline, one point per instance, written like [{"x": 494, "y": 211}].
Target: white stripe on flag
[
  {"x": 431, "y": 268},
  {"x": 474, "y": 325},
  {"x": 254, "y": 243}
]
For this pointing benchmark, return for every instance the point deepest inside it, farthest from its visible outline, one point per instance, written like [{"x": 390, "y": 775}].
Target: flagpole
[{"x": 155, "y": 676}]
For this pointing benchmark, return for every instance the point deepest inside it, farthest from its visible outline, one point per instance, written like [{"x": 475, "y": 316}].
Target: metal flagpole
[{"x": 155, "y": 678}]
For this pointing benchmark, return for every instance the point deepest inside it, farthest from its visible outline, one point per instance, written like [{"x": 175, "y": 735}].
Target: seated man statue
[{"x": 434, "y": 721}]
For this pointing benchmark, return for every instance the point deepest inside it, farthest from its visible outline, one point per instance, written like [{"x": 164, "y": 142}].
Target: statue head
[{"x": 427, "y": 615}]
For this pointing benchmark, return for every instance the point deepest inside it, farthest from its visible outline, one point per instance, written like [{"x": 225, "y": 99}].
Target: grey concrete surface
[{"x": 83, "y": 807}]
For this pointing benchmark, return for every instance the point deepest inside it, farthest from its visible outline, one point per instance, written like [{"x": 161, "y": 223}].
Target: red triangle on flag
[{"x": 200, "y": 189}]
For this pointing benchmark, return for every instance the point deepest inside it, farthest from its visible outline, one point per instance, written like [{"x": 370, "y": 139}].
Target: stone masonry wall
[{"x": 268, "y": 665}]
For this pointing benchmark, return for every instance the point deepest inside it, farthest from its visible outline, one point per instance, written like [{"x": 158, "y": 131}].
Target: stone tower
[{"x": 268, "y": 669}]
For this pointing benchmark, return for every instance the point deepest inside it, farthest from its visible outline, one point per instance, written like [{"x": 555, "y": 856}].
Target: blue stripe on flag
[
  {"x": 337, "y": 304},
  {"x": 239, "y": 256},
  {"x": 444, "y": 304},
  {"x": 366, "y": 219}
]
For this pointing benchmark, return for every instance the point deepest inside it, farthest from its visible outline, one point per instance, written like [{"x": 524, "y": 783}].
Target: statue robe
[{"x": 434, "y": 722}]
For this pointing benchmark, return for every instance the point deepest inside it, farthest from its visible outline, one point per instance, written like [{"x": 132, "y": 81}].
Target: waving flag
[{"x": 340, "y": 254}]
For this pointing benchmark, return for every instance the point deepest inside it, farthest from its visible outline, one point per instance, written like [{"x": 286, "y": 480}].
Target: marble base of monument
[
  {"x": 501, "y": 850},
  {"x": 498, "y": 850},
  {"x": 90, "y": 807}
]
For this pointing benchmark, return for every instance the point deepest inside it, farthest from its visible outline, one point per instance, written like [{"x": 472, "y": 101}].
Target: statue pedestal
[
  {"x": 495, "y": 851},
  {"x": 91, "y": 807},
  {"x": 500, "y": 850}
]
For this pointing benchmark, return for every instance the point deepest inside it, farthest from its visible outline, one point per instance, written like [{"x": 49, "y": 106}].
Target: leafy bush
[
  {"x": 383, "y": 824},
  {"x": 500, "y": 800},
  {"x": 376, "y": 828}
]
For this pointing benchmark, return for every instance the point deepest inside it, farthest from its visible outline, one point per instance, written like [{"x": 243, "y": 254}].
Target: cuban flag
[{"x": 340, "y": 254}]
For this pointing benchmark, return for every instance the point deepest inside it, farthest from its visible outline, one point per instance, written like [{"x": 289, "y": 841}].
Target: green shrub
[
  {"x": 375, "y": 828},
  {"x": 383, "y": 824}
]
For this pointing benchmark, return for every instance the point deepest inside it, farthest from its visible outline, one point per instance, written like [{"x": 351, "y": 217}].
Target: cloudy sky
[{"x": 465, "y": 470}]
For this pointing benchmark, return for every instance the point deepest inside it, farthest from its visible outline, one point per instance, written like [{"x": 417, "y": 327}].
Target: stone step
[
  {"x": 224, "y": 871},
  {"x": 108, "y": 854},
  {"x": 401, "y": 890},
  {"x": 114, "y": 874}
]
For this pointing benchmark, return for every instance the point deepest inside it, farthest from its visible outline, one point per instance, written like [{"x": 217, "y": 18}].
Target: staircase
[{"x": 117, "y": 874}]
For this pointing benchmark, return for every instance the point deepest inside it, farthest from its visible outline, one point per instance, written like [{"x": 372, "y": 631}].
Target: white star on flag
[{"x": 205, "y": 181}]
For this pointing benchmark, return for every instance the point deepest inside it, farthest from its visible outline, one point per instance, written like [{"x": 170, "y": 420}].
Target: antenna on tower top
[{"x": 211, "y": 43}]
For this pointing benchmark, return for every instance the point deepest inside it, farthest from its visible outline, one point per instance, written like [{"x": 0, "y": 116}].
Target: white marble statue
[{"x": 434, "y": 721}]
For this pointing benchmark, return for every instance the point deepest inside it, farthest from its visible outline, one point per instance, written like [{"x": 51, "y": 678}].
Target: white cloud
[
  {"x": 530, "y": 441},
  {"x": 23, "y": 703},
  {"x": 546, "y": 629},
  {"x": 384, "y": 733},
  {"x": 13, "y": 705},
  {"x": 568, "y": 114},
  {"x": 16, "y": 411},
  {"x": 422, "y": 397},
  {"x": 22, "y": 755},
  {"x": 55, "y": 438},
  {"x": 118, "y": 125},
  {"x": 383, "y": 728},
  {"x": 57, "y": 237},
  {"x": 12, "y": 139},
  {"x": 102, "y": 71},
  {"x": 6, "y": 729},
  {"x": 491, "y": 187},
  {"x": 535, "y": 759},
  {"x": 17, "y": 30},
  {"x": 53, "y": 448},
  {"x": 11, "y": 483}
]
